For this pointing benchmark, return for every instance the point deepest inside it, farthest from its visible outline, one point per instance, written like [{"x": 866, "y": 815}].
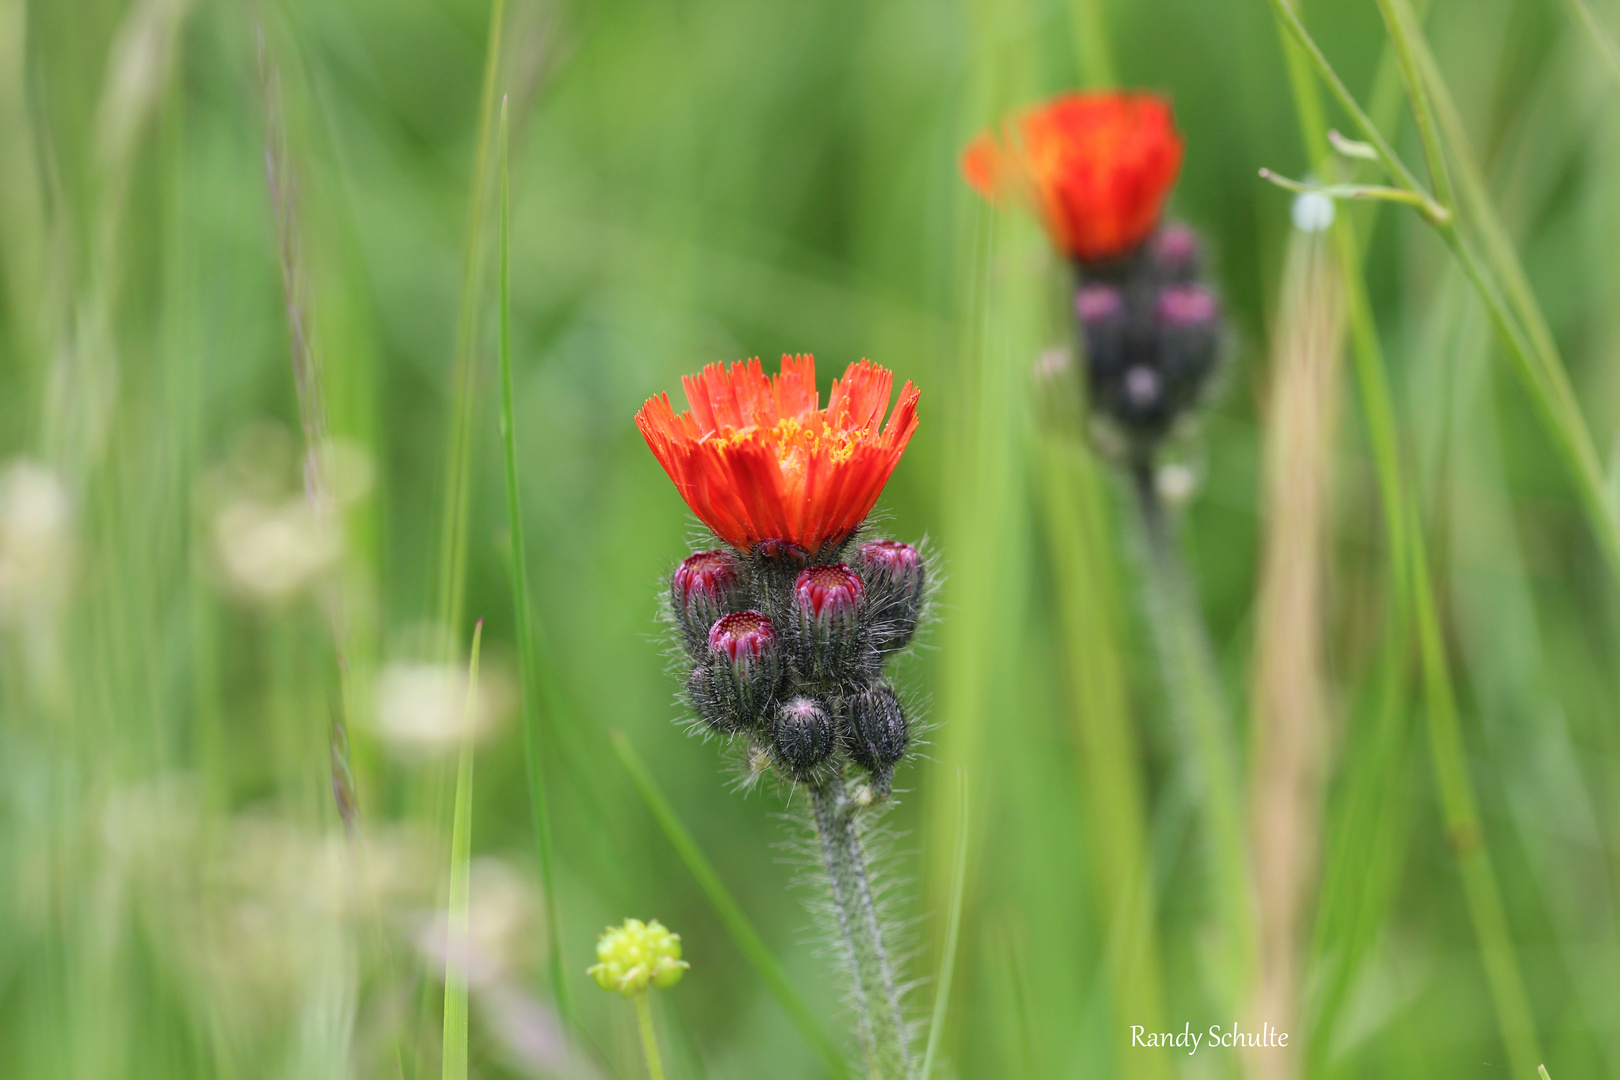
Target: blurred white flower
[
  {"x": 36, "y": 542},
  {"x": 421, "y": 708},
  {"x": 271, "y": 550}
]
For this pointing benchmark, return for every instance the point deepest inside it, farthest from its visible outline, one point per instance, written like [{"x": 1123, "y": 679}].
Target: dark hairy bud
[
  {"x": 706, "y": 586},
  {"x": 895, "y": 578},
  {"x": 1152, "y": 335},
  {"x": 875, "y": 732},
  {"x": 744, "y": 667},
  {"x": 827, "y": 601},
  {"x": 802, "y": 738},
  {"x": 1177, "y": 253}
]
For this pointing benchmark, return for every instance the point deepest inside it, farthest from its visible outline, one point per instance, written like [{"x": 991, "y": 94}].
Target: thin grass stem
[
  {"x": 742, "y": 930},
  {"x": 457, "y": 923},
  {"x": 522, "y": 612},
  {"x": 453, "y": 524},
  {"x": 1464, "y": 831}
]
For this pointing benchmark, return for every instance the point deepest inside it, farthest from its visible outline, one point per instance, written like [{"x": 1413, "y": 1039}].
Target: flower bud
[
  {"x": 827, "y": 600},
  {"x": 637, "y": 955},
  {"x": 706, "y": 586},
  {"x": 1188, "y": 320},
  {"x": 744, "y": 667},
  {"x": 895, "y": 578},
  {"x": 875, "y": 732},
  {"x": 1104, "y": 325},
  {"x": 1176, "y": 252},
  {"x": 802, "y": 738}
]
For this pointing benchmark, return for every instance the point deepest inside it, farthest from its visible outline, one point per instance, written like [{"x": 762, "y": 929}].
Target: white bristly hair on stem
[{"x": 876, "y": 994}]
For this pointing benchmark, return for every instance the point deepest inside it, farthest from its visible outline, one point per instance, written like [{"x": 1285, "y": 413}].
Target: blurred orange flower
[
  {"x": 1095, "y": 166},
  {"x": 757, "y": 459}
]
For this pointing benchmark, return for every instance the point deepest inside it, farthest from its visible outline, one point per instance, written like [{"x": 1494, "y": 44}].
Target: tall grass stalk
[
  {"x": 458, "y": 458},
  {"x": 458, "y": 929},
  {"x": 1290, "y": 704},
  {"x": 522, "y": 612},
  {"x": 743, "y": 934}
]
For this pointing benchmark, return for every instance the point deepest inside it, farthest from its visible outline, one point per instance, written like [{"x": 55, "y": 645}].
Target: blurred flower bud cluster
[
  {"x": 1152, "y": 333},
  {"x": 788, "y": 652}
]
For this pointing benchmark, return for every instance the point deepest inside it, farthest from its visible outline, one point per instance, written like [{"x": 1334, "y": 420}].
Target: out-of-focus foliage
[{"x": 180, "y": 894}]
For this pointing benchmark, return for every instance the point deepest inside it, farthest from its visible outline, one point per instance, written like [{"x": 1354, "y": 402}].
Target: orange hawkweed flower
[
  {"x": 757, "y": 458},
  {"x": 1095, "y": 166}
]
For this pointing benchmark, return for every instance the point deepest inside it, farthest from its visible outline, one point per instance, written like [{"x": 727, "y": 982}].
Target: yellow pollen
[{"x": 795, "y": 442}]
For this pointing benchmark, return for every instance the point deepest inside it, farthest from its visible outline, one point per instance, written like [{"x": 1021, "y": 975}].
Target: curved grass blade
[{"x": 725, "y": 905}]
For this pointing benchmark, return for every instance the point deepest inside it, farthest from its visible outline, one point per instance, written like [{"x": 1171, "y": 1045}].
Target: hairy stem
[
  {"x": 1198, "y": 703},
  {"x": 876, "y": 995}
]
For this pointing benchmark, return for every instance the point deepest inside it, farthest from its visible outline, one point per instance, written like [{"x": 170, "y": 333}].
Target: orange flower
[
  {"x": 1096, "y": 166},
  {"x": 757, "y": 459}
]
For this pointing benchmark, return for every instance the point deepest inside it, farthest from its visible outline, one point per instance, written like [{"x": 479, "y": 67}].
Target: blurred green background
[{"x": 693, "y": 181}]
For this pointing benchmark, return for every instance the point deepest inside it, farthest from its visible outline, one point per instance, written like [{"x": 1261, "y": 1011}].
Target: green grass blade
[
  {"x": 1467, "y": 839},
  {"x": 725, "y": 905},
  {"x": 528, "y": 660},
  {"x": 1091, "y": 43},
  {"x": 453, "y": 524},
  {"x": 953, "y": 929},
  {"x": 1598, "y": 36},
  {"x": 457, "y": 923},
  {"x": 1084, "y": 569}
]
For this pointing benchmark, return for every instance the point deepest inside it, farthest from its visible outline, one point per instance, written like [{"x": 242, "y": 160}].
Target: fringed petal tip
[{"x": 756, "y": 458}]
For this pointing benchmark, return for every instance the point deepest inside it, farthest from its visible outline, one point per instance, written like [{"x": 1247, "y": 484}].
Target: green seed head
[{"x": 637, "y": 955}]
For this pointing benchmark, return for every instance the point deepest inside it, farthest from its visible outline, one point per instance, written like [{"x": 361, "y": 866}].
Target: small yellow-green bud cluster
[{"x": 637, "y": 955}]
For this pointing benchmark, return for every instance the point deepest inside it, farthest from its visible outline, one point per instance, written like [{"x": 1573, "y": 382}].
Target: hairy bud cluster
[
  {"x": 1152, "y": 333},
  {"x": 789, "y": 651}
]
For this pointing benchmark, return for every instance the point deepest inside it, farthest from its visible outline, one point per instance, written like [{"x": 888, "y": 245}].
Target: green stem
[
  {"x": 649, "y": 1038},
  {"x": 875, "y": 992},
  {"x": 1463, "y": 829}
]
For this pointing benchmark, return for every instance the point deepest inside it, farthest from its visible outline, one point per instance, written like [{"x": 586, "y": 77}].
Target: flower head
[
  {"x": 757, "y": 459},
  {"x": 637, "y": 955},
  {"x": 1096, "y": 166}
]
